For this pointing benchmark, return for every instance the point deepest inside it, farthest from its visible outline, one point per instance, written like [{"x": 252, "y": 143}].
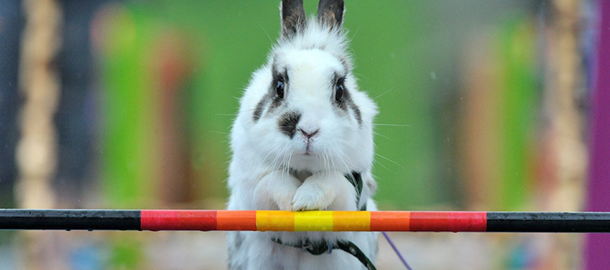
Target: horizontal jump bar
[{"x": 231, "y": 220}]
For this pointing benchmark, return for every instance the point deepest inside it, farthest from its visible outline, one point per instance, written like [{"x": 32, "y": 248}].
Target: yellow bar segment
[
  {"x": 352, "y": 221},
  {"x": 313, "y": 221},
  {"x": 275, "y": 221}
]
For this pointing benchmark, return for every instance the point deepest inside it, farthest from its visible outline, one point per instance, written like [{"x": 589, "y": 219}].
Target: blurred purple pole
[{"x": 598, "y": 245}]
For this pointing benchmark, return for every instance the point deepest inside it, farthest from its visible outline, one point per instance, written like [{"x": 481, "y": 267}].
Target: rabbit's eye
[
  {"x": 279, "y": 88},
  {"x": 339, "y": 89}
]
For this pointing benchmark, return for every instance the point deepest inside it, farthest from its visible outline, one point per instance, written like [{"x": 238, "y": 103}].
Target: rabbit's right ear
[
  {"x": 330, "y": 12},
  {"x": 293, "y": 17}
]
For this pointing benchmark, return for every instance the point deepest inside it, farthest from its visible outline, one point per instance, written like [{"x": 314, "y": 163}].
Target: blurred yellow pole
[
  {"x": 564, "y": 140},
  {"x": 565, "y": 83},
  {"x": 37, "y": 148}
]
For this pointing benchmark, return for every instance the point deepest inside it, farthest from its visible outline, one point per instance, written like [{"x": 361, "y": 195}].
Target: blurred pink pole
[{"x": 598, "y": 245}]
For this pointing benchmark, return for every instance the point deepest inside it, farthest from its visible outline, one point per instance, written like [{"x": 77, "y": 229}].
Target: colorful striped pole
[{"x": 226, "y": 220}]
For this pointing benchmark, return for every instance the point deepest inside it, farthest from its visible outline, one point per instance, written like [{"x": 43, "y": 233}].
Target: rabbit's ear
[
  {"x": 293, "y": 17},
  {"x": 330, "y": 12}
]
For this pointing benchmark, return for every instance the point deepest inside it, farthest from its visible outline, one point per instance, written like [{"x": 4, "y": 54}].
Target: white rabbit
[{"x": 303, "y": 140}]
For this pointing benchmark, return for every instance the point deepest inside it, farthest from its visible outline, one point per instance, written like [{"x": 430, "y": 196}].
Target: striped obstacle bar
[{"x": 229, "y": 220}]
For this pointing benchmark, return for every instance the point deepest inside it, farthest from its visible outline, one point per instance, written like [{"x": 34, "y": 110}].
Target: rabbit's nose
[{"x": 308, "y": 134}]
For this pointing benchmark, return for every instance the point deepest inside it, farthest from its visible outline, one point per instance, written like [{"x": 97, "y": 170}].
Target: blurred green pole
[
  {"x": 518, "y": 114},
  {"x": 129, "y": 140},
  {"x": 128, "y": 128}
]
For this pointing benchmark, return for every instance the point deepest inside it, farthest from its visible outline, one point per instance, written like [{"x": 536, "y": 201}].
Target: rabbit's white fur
[{"x": 271, "y": 170}]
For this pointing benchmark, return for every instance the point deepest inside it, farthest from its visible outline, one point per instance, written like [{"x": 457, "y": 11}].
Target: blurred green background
[{"x": 404, "y": 57}]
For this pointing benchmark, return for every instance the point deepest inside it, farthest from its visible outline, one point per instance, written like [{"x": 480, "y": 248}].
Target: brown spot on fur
[
  {"x": 258, "y": 111},
  {"x": 288, "y": 123}
]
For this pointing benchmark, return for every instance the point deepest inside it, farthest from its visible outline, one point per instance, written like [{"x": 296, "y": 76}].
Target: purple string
[{"x": 397, "y": 251}]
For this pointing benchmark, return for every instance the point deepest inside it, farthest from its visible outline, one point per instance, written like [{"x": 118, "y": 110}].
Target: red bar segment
[
  {"x": 449, "y": 221},
  {"x": 156, "y": 220}
]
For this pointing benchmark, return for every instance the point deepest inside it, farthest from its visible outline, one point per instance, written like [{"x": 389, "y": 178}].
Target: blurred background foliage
[
  {"x": 398, "y": 62},
  {"x": 149, "y": 89}
]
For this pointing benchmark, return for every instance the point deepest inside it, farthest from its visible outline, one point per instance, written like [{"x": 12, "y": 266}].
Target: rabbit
[{"x": 303, "y": 140}]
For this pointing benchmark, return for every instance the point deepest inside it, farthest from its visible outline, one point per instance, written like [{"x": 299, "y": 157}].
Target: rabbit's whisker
[{"x": 391, "y": 125}]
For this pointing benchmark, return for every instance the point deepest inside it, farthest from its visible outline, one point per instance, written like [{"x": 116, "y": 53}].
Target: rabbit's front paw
[
  {"x": 276, "y": 189},
  {"x": 284, "y": 200},
  {"x": 310, "y": 198},
  {"x": 316, "y": 192}
]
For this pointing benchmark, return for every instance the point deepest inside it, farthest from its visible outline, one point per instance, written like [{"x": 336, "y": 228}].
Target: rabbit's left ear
[
  {"x": 330, "y": 12},
  {"x": 293, "y": 17}
]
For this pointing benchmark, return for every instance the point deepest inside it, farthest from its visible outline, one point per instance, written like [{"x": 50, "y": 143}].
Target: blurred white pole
[
  {"x": 37, "y": 148},
  {"x": 565, "y": 83}
]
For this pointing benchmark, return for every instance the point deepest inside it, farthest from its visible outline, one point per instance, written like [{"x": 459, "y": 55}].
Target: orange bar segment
[
  {"x": 236, "y": 220},
  {"x": 275, "y": 221},
  {"x": 390, "y": 221},
  {"x": 351, "y": 221}
]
